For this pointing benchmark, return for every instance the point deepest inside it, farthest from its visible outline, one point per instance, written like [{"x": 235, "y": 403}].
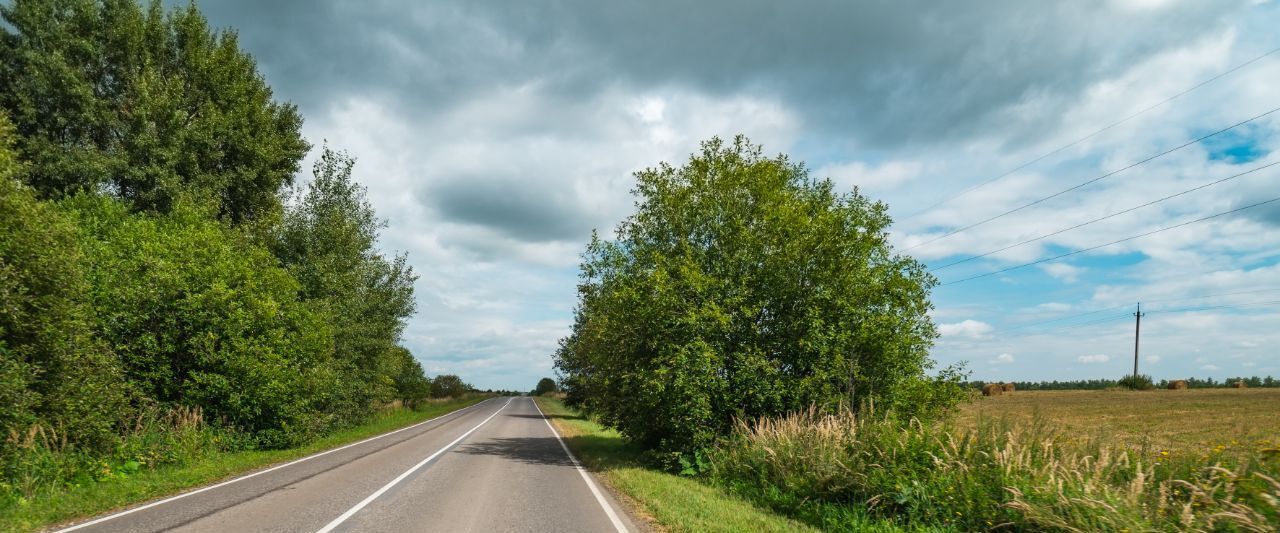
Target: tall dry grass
[{"x": 1018, "y": 476}]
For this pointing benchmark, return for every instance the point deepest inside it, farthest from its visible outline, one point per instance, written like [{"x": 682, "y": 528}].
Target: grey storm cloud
[
  {"x": 880, "y": 73},
  {"x": 516, "y": 207}
]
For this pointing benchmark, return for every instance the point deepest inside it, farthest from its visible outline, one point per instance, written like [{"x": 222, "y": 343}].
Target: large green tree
[
  {"x": 328, "y": 239},
  {"x": 53, "y": 372},
  {"x": 742, "y": 287},
  {"x": 147, "y": 104}
]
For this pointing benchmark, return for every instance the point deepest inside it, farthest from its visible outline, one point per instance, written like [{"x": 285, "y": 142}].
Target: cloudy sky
[{"x": 494, "y": 136}]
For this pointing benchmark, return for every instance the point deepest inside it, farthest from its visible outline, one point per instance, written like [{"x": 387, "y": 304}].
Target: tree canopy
[
  {"x": 742, "y": 287},
  {"x": 150, "y": 105}
]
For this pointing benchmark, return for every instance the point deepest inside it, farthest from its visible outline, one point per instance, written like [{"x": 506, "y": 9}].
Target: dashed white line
[
  {"x": 352, "y": 511},
  {"x": 608, "y": 509},
  {"x": 259, "y": 473}
]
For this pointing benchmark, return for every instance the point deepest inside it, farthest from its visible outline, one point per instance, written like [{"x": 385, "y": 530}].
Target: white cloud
[
  {"x": 1004, "y": 358},
  {"x": 1094, "y": 358},
  {"x": 972, "y": 329},
  {"x": 1210, "y": 368},
  {"x": 888, "y": 175},
  {"x": 1063, "y": 271},
  {"x": 1151, "y": 358}
]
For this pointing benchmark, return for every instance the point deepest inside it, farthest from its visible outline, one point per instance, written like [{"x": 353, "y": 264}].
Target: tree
[
  {"x": 412, "y": 385},
  {"x": 150, "y": 106},
  {"x": 740, "y": 288},
  {"x": 328, "y": 239},
  {"x": 545, "y": 385},
  {"x": 448, "y": 386},
  {"x": 53, "y": 372},
  {"x": 200, "y": 316}
]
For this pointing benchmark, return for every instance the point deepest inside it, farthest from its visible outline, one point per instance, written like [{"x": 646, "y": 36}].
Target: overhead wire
[
  {"x": 1126, "y": 239},
  {"x": 1100, "y": 219},
  {"x": 1091, "y": 181},
  {"x": 1092, "y": 135}
]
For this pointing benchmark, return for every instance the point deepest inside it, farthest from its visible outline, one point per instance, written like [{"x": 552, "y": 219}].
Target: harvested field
[{"x": 1194, "y": 421}]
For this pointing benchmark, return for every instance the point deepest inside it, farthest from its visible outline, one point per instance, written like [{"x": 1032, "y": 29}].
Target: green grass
[
  {"x": 69, "y": 503},
  {"x": 670, "y": 502}
]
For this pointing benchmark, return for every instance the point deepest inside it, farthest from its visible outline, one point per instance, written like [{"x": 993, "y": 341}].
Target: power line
[
  {"x": 1216, "y": 307},
  {"x": 1091, "y": 248},
  {"x": 1099, "y": 219},
  {"x": 1088, "y": 182},
  {"x": 1126, "y": 314},
  {"x": 1092, "y": 135}
]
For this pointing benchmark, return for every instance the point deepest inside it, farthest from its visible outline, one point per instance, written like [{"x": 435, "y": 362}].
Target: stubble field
[{"x": 1186, "y": 422}]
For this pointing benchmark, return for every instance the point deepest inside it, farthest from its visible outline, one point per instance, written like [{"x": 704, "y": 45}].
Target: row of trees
[
  {"x": 1101, "y": 384},
  {"x": 744, "y": 288},
  {"x": 155, "y": 254}
]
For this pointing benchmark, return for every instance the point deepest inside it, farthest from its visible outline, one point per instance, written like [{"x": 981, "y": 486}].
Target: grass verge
[
  {"x": 121, "y": 490},
  {"x": 669, "y": 502}
]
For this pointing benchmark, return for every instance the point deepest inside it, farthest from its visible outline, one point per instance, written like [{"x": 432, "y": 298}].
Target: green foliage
[
  {"x": 448, "y": 386},
  {"x": 1019, "y": 477},
  {"x": 199, "y": 316},
  {"x": 153, "y": 106},
  {"x": 1138, "y": 382},
  {"x": 742, "y": 287},
  {"x": 545, "y": 386},
  {"x": 328, "y": 241},
  {"x": 54, "y": 376},
  {"x": 412, "y": 385}
]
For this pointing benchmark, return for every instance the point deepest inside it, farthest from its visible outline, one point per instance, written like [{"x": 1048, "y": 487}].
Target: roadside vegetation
[
  {"x": 1144, "y": 382},
  {"x": 751, "y": 328},
  {"x": 119, "y": 484},
  {"x": 169, "y": 297},
  {"x": 664, "y": 499}
]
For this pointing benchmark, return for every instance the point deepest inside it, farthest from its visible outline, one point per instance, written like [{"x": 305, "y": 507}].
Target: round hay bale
[
  {"x": 1239, "y": 384},
  {"x": 992, "y": 389},
  {"x": 1178, "y": 384},
  {"x": 1007, "y": 387}
]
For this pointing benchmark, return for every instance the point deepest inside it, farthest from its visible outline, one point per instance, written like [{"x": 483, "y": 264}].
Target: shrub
[
  {"x": 1024, "y": 477},
  {"x": 1139, "y": 382},
  {"x": 545, "y": 386},
  {"x": 53, "y": 374},
  {"x": 742, "y": 287},
  {"x": 200, "y": 317}
]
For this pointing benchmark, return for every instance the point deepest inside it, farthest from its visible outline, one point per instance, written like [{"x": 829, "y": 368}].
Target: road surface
[{"x": 494, "y": 466}]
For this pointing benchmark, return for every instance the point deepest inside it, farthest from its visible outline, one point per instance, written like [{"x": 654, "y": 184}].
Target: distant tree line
[
  {"x": 1100, "y": 384},
  {"x": 156, "y": 256}
]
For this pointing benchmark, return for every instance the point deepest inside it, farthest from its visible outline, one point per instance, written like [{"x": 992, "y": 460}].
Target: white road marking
[
  {"x": 613, "y": 516},
  {"x": 258, "y": 473},
  {"x": 343, "y": 518}
]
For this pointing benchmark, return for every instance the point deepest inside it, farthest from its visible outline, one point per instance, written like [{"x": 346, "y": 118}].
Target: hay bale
[
  {"x": 992, "y": 389},
  {"x": 1007, "y": 387},
  {"x": 1239, "y": 384},
  {"x": 1178, "y": 384}
]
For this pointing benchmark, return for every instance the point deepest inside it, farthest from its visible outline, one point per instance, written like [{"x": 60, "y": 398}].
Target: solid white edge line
[
  {"x": 260, "y": 472},
  {"x": 343, "y": 518},
  {"x": 608, "y": 509}
]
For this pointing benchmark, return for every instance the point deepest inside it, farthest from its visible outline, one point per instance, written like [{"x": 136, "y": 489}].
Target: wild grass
[
  {"x": 990, "y": 474},
  {"x": 48, "y": 482},
  {"x": 661, "y": 500}
]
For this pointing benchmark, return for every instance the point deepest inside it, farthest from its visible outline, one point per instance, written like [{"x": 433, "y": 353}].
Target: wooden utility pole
[{"x": 1137, "y": 330}]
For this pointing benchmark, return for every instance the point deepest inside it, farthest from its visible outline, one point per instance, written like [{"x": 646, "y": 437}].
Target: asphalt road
[{"x": 494, "y": 466}]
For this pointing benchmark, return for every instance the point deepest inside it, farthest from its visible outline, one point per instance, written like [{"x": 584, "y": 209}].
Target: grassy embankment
[
  {"x": 666, "y": 501},
  {"x": 119, "y": 489},
  {"x": 1089, "y": 460}
]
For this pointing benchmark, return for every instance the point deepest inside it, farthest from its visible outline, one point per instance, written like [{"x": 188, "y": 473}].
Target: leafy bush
[
  {"x": 545, "y": 386},
  {"x": 200, "y": 317},
  {"x": 1139, "y": 382},
  {"x": 54, "y": 376},
  {"x": 448, "y": 386},
  {"x": 1024, "y": 477},
  {"x": 741, "y": 288}
]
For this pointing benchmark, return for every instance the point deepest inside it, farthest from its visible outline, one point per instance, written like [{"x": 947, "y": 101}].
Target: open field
[{"x": 1188, "y": 421}]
